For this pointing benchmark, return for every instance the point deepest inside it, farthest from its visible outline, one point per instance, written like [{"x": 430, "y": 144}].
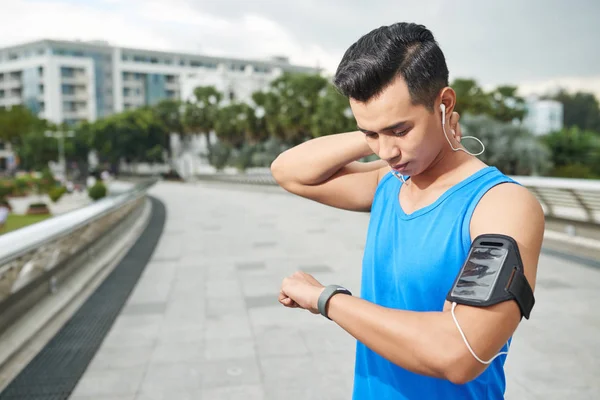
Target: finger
[
  {"x": 455, "y": 126},
  {"x": 454, "y": 119},
  {"x": 289, "y": 303},
  {"x": 458, "y": 132}
]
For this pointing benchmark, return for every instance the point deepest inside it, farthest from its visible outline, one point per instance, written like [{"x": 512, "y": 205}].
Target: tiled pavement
[{"x": 204, "y": 323}]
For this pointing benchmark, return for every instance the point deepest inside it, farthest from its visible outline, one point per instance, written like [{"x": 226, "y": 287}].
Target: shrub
[
  {"x": 573, "y": 171},
  {"x": 218, "y": 155},
  {"x": 242, "y": 159},
  {"x": 7, "y": 188},
  {"x": 37, "y": 205},
  {"x": 172, "y": 175},
  {"x": 22, "y": 186},
  {"x": 97, "y": 191},
  {"x": 5, "y": 203},
  {"x": 56, "y": 193}
]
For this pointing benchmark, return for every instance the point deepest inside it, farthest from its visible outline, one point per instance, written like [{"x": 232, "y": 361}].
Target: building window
[
  {"x": 68, "y": 89},
  {"x": 67, "y": 72}
]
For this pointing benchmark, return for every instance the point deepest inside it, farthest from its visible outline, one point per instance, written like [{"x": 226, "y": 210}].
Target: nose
[{"x": 388, "y": 148}]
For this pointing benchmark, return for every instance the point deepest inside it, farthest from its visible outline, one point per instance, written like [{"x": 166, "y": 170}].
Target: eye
[
  {"x": 371, "y": 134},
  {"x": 400, "y": 133}
]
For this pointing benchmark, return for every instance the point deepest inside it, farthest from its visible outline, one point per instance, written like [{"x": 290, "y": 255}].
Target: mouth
[{"x": 400, "y": 167}]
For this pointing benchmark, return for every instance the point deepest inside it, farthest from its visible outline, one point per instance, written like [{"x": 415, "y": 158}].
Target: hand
[
  {"x": 455, "y": 126},
  {"x": 301, "y": 290}
]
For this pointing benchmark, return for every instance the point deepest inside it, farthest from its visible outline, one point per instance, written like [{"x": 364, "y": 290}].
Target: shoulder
[
  {"x": 508, "y": 204},
  {"x": 511, "y": 209}
]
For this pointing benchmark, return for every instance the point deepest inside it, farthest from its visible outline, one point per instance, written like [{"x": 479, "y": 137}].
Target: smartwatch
[{"x": 327, "y": 294}]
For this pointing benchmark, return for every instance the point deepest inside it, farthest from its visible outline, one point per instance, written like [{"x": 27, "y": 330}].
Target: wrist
[
  {"x": 326, "y": 294},
  {"x": 364, "y": 148}
]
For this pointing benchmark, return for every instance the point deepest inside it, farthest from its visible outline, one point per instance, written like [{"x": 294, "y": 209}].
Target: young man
[{"x": 422, "y": 226}]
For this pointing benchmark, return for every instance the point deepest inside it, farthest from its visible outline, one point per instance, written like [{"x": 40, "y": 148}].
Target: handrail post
[{"x": 588, "y": 211}]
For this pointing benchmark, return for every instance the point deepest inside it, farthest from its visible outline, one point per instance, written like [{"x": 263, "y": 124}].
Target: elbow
[
  {"x": 460, "y": 376},
  {"x": 278, "y": 171},
  {"x": 461, "y": 368}
]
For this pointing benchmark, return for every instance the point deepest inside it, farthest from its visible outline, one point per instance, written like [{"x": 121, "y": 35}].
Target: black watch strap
[
  {"x": 520, "y": 289},
  {"x": 327, "y": 294}
]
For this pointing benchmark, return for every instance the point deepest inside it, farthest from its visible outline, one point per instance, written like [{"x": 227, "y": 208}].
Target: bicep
[
  {"x": 351, "y": 188},
  {"x": 487, "y": 329}
]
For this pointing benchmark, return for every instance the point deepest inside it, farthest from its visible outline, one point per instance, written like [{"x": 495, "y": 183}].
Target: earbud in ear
[{"x": 443, "y": 108}]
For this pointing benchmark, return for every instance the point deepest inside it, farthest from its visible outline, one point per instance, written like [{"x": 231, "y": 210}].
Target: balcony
[
  {"x": 11, "y": 84},
  {"x": 77, "y": 79},
  {"x": 77, "y": 114}
]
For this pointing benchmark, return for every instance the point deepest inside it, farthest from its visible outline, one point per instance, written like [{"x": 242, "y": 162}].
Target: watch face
[{"x": 479, "y": 275}]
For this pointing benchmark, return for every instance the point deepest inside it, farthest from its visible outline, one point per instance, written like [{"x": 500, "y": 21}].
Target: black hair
[{"x": 377, "y": 58}]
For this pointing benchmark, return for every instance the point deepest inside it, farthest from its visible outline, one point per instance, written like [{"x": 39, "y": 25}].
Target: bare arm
[
  {"x": 429, "y": 343},
  {"x": 326, "y": 170}
]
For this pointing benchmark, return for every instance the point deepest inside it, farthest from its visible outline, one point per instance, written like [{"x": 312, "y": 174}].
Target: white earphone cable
[
  {"x": 465, "y": 137},
  {"x": 467, "y": 343},
  {"x": 443, "y": 109}
]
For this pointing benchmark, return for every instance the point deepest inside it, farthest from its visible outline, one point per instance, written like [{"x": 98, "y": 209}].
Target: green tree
[
  {"x": 201, "y": 112},
  {"x": 511, "y": 148},
  {"x": 506, "y": 105},
  {"x": 575, "y": 153},
  {"x": 132, "y": 136},
  {"x": 580, "y": 109},
  {"x": 17, "y": 122},
  {"x": 333, "y": 113},
  {"x": 470, "y": 97},
  {"x": 35, "y": 150},
  {"x": 502, "y": 103},
  {"x": 170, "y": 113},
  {"x": 289, "y": 105}
]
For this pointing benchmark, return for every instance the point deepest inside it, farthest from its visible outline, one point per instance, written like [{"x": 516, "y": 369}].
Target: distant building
[
  {"x": 543, "y": 116},
  {"x": 72, "y": 81}
]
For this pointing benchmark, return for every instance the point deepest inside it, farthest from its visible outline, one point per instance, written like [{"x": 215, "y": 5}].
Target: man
[{"x": 422, "y": 225}]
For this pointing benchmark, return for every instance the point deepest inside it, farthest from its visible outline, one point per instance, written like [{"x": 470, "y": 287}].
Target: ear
[{"x": 448, "y": 99}]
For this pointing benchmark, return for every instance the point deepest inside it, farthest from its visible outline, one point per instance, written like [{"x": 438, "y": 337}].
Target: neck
[{"x": 443, "y": 166}]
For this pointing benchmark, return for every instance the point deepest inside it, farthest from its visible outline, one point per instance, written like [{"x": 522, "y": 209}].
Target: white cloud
[
  {"x": 33, "y": 20},
  {"x": 168, "y": 26},
  {"x": 312, "y": 33},
  {"x": 571, "y": 84}
]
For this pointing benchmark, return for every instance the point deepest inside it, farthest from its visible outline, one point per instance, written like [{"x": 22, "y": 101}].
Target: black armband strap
[{"x": 520, "y": 289}]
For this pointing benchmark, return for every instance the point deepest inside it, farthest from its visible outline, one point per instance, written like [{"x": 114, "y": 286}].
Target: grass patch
[{"x": 14, "y": 222}]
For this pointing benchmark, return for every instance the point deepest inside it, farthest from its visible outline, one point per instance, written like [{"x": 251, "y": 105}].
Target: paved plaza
[{"x": 204, "y": 323}]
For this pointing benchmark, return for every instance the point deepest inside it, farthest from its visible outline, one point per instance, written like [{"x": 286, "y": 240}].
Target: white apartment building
[
  {"x": 543, "y": 116},
  {"x": 72, "y": 81}
]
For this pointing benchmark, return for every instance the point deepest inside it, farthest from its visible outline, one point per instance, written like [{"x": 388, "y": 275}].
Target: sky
[{"x": 536, "y": 45}]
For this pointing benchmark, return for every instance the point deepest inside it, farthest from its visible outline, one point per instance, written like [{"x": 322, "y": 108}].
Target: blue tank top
[{"x": 410, "y": 262}]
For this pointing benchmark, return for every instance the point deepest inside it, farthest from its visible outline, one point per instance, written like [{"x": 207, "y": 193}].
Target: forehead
[{"x": 389, "y": 107}]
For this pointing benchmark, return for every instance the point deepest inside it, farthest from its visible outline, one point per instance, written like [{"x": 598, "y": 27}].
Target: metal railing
[
  {"x": 32, "y": 254},
  {"x": 566, "y": 199},
  {"x": 562, "y": 198}
]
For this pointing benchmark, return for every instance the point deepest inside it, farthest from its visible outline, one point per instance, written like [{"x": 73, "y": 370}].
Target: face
[{"x": 409, "y": 137}]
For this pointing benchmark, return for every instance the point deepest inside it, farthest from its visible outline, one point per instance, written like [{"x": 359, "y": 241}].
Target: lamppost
[{"x": 60, "y": 136}]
